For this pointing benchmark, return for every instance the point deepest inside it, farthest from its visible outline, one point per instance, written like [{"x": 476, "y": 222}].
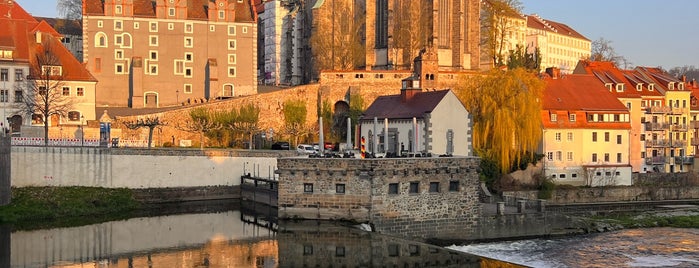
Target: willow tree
[{"x": 506, "y": 111}]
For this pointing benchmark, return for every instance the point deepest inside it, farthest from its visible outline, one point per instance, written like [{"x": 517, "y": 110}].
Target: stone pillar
[
  {"x": 5, "y": 164},
  {"x": 542, "y": 205},
  {"x": 501, "y": 208},
  {"x": 521, "y": 206}
]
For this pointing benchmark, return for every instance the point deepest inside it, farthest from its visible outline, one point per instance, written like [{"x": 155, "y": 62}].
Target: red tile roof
[
  {"x": 73, "y": 70},
  {"x": 580, "y": 94},
  {"x": 392, "y": 107},
  {"x": 11, "y": 10},
  {"x": 94, "y": 7},
  {"x": 607, "y": 72},
  {"x": 197, "y": 9},
  {"x": 14, "y": 36}
]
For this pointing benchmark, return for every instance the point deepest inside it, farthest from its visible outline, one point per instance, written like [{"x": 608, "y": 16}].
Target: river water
[
  {"x": 651, "y": 247},
  {"x": 236, "y": 237}
]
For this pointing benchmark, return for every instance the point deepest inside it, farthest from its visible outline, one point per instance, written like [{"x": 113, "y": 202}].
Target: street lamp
[{"x": 82, "y": 131}]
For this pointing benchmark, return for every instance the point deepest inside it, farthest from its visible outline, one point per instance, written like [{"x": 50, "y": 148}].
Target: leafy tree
[
  {"x": 150, "y": 122},
  {"x": 520, "y": 58},
  {"x": 505, "y": 107},
  {"x": 498, "y": 17},
  {"x": 201, "y": 121},
  {"x": 326, "y": 113},
  {"x": 295, "y": 120},
  {"x": 602, "y": 50},
  {"x": 70, "y": 9},
  {"x": 245, "y": 121},
  {"x": 43, "y": 97}
]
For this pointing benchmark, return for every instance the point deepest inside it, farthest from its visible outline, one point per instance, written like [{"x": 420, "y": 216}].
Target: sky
[{"x": 646, "y": 32}]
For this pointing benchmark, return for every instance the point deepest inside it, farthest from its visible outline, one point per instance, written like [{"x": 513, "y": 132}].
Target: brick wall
[{"x": 424, "y": 214}]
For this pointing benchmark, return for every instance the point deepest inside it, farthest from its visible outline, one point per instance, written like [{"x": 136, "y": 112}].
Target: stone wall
[
  {"x": 613, "y": 194},
  {"x": 308, "y": 188},
  {"x": 5, "y": 171},
  {"x": 332, "y": 86}
]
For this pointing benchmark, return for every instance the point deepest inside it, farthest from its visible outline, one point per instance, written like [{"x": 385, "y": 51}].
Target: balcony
[
  {"x": 655, "y": 160},
  {"x": 679, "y": 144},
  {"x": 657, "y": 126},
  {"x": 678, "y": 127},
  {"x": 684, "y": 160},
  {"x": 658, "y": 110},
  {"x": 658, "y": 143},
  {"x": 680, "y": 110},
  {"x": 694, "y": 124}
]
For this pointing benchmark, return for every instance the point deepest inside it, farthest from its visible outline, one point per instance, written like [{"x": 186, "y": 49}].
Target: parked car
[
  {"x": 305, "y": 149},
  {"x": 280, "y": 145}
]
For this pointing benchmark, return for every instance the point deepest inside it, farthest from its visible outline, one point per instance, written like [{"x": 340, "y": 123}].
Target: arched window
[
  {"x": 126, "y": 40},
  {"x": 100, "y": 40}
]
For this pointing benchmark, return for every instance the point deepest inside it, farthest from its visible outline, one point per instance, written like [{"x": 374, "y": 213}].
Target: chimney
[
  {"x": 684, "y": 78},
  {"x": 410, "y": 87},
  {"x": 554, "y": 72}
]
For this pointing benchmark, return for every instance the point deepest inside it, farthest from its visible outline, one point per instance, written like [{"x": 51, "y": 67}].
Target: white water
[{"x": 652, "y": 247}]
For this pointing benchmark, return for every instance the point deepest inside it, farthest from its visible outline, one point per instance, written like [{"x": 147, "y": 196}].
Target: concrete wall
[
  {"x": 137, "y": 168},
  {"x": 367, "y": 199},
  {"x": 5, "y": 171}
]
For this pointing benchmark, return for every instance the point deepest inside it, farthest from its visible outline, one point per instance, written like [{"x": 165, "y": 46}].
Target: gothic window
[
  {"x": 381, "y": 24},
  {"x": 443, "y": 24}
]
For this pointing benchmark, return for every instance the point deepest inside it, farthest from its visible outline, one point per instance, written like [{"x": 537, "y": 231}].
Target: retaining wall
[
  {"x": 613, "y": 194},
  {"x": 5, "y": 171},
  {"x": 138, "y": 168}
]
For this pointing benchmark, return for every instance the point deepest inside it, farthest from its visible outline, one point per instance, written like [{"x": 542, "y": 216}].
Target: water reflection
[{"x": 220, "y": 239}]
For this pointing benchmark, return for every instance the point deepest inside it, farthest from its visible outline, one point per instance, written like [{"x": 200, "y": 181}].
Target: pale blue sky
[{"x": 647, "y": 32}]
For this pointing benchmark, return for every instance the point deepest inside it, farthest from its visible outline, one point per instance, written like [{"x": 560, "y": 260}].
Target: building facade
[
  {"x": 33, "y": 62},
  {"x": 586, "y": 133},
  {"x": 150, "y": 54},
  {"x": 560, "y": 45}
]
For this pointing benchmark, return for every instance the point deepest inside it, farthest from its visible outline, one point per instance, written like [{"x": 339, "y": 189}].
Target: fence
[{"x": 28, "y": 141}]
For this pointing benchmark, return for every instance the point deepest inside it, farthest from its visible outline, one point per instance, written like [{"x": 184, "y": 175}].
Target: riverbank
[
  {"x": 675, "y": 216},
  {"x": 66, "y": 206}
]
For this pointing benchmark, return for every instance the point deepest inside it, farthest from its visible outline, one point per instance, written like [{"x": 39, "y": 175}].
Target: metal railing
[{"x": 65, "y": 142}]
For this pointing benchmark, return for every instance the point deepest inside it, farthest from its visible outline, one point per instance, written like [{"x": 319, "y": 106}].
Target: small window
[
  {"x": 153, "y": 69},
  {"x": 245, "y": 29},
  {"x": 212, "y": 28},
  {"x": 179, "y": 67},
  {"x": 188, "y": 56},
  {"x": 574, "y": 175},
  {"x": 118, "y": 54},
  {"x": 554, "y": 117},
  {"x": 118, "y": 9},
  {"x": 66, "y": 91},
  {"x": 594, "y": 157},
  {"x": 393, "y": 250},
  {"x": 119, "y": 68},
  {"x": 232, "y": 59},
  {"x": 188, "y": 72},
  {"x": 594, "y": 136},
  {"x": 153, "y": 27},
  {"x": 598, "y": 173},
  {"x": 454, "y": 186},
  {"x": 393, "y": 188},
  {"x": 118, "y": 25},
  {"x": 434, "y": 187},
  {"x": 154, "y": 40},
  {"x": 19, "y": 75},
  {"x": 340, "y": 188},
  {"x": 606, "y": 136},
  {"x": 549, "y": 156},
  {"x": 221, "y": 14},
  {"x": 570, "y": 136},
  {"x": 339, "y": 251},
  {"x": 100, "y": 24},
  {"x": 187, "y": 88},
  {"x": 189, "y": 41},
  {"x": 188, "y": 28},
  {"x": 620, "y": 87},
  {"x": 231, "y": 30},
  {"x": 136, "y": 25},
  {"x": 562, "y": 176},
  {"x": 569, "y": 156},
  {"x": 231, "y": 44},
  {"x": 80, "y": 92},
  {"x": 74, "y": 116},
  {"x": 618, "y": 139},
  {"x": 618, "y": 157},
  {"x": 308, "y": 187},
  {"x": 307, "y": 250},
  {"x": 414, "y": 187},
  {"x": 618, "y": 173},
  {"x": 118, "y": 40},
  {"x": 171, "y": 12},
  {"x": 170, "y": 26},
  {"x": 153, "y": 55},
  {"x": 608, "y": 173},
  {"x": 571, "y": 117},
  {"x": 558, "y": 136},
  {"x": 414, "y": 250}
]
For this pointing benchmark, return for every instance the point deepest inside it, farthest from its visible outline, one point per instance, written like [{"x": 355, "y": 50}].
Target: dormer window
[
  {"x": 571, "y": 117},
  {"x": 639, "y": 87},
  {"x": 620, "y": 87},
  {"x": 554, "y": 117},
  {"x": 609, "y": 86},
  {"x": 671, "y": 86},
  {"x": 51, "y": 70},
  {"x": 651, "y": 87},
  {"x": 680, "y": 86},
  {"x": 6, "y": 54},
  {"x": 117, "y": 9}
]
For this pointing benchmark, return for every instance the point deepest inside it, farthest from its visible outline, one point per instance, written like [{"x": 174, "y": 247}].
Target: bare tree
[
  {"x": 602, "y": 50},
  {"x": 70, "y": 9},
  {"x": 150, "y": 122},
  {"x": 201, "y": 121},
  {"x": 498, "y": 21},
  {"x": 341, "y": 48},
  {"x": 43, "y": 98},
  {"x": 600, "y": 176},
  {"x": 688, "y": 71}
]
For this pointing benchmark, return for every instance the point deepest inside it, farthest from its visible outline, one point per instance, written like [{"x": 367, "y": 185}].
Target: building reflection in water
[{"x": 222, "y": 239}]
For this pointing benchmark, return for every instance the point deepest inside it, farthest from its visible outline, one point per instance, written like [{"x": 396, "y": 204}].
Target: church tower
[{"x": 396, "y": 31}]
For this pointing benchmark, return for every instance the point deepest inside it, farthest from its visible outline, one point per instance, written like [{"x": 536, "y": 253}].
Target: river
[
  {"x": 232, "y": 237},
  {"x": 651, "y": 247}
]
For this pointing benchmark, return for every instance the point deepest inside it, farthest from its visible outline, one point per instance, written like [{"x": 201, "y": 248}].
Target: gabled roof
[
  {"x": 14, "y": 37},
  {"x": 72, "y": 69},
  {"x": 607, "y": 72},
  {"x": 392, "y": 107},
  {"x": 536, "y": 22},
  {"x": 579, "y": 92},
  {"x": 44, "y": 27},
  {"x": 9, "y": 9}
]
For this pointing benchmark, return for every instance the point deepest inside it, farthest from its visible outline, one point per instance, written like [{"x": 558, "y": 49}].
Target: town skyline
[{"x": 593, "y": 19}]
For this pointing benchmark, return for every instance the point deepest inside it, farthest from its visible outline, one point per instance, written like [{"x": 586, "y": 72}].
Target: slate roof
[{"x": 392, "y": 107}]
